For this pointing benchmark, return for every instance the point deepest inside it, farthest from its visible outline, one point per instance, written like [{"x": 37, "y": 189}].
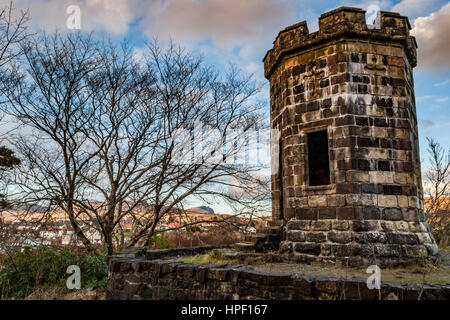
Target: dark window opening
[{"x": 318, "y": 159}]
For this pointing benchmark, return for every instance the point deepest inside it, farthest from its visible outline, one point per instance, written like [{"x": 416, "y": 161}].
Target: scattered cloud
[
  {"x": 441, "y": 100},
  {"x": 414, "y": 8},
  {"x": 424, "y": 98},
  {"x": 443, "y": 83},
  {"x": 433, "y": 39},
  {"x": 442, "y": 125},
  {"x": 426, "y": 123},
  {"x": 432, "y": 100},
  {"x": 365, "y": 4}
]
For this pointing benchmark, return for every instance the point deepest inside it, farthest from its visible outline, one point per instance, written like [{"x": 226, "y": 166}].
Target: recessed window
[{"x": 318, "y": 159}]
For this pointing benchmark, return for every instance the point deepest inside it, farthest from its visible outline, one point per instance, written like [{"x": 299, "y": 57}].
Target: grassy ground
[
  {"x": 434, "y": 274},
  {"x": 206, "y": 258}
]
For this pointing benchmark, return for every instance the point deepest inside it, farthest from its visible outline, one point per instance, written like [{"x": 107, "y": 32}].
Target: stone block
[
  {"x": 370, "y": 213},
  {"x": 375, "y": 236},
  {"x": 339, "y": 236},
  {"x": 328, "y": 287},
  {"x": 317, "y": 201},
  {"x": 417, "y": 251},
  {"x": 401, "y": 238},
  {"x": 345, "y": 213},
  {"x": 321, "y": 225},
  {"x": 424, "y": 238},
  {"x": 415, "y": 227},
  {"x": 340, "y": 225},
  {"x": 363, "y": 250},
  {"x": 386, "y": 226},
  {"x": 327, "y": 213},
  {"x": 308, "y": 248},
  {"x": 392, "y": 214},
  {"x": 303, "y": 287},
  {"x": 387, "y": 250},
  {"x": 296, "y": 236},
  {"x": 316, "y": 237},
  {"x": 410, "y": 214},
  {"x": 387, "y": 201},
  {"x": 219, "y": 274},
  {"x": 401, "y": 226},
  {"x": 299, "y": 225},
  {"x": 403, "y": 202},
  {"x": 364, "y": 225},
  {"x": 306, "y": 213},
  {"x": 340, "y": 250}
]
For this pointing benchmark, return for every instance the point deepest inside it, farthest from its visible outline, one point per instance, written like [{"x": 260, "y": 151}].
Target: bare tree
[
  {"x": 114, "y": 138},
  {"x": 53, "y": 104},
  {"x": 437, "y": 192},
  {"x": 13, "y": 30}
]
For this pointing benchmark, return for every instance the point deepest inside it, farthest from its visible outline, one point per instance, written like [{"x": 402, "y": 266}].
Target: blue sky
[{"x": 241, "y": 32}]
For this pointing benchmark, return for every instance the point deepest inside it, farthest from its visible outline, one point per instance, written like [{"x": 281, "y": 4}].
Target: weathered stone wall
[
  {"x": 133, "y": 276},
  {"x": 357, "y": 83}
]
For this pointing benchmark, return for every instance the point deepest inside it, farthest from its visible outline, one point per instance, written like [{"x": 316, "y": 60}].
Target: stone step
[
  {"x": 273, "y": 238},
  {"x": 261, "y": 230},
  {"x": 255, "y": 237},
  {"x": 276, "y": 223},
  {"x": 245, "y": 247},
  {"x": 274, "y": 230},
  {"x": 270, "y": 230}
]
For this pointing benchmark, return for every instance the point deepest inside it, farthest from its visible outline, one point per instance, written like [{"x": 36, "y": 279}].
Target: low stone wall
[{"x": 138, "y": 274}]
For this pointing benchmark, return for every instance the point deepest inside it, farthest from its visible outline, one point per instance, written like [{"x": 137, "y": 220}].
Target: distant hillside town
[{"x": 26, "y": 228}]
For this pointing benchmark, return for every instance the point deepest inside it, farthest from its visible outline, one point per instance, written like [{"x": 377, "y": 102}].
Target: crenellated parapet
[{"x": 343, "y": 22}]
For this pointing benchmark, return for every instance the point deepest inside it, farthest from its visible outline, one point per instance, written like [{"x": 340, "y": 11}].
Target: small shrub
[
  {"x": 160, "y": 241},
  {"x": 213, "y": 237},
  {"x": 45, "y": 268}
]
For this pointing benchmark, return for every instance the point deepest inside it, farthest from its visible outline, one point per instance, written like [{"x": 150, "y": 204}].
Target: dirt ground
[{"x": 418, "y": 275}]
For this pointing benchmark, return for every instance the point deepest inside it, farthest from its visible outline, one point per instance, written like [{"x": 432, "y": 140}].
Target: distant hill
[{"x": 202, "y": 209}]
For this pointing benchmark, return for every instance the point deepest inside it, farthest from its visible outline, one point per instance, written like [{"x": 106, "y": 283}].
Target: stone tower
[{"x": 349, "y": 183}]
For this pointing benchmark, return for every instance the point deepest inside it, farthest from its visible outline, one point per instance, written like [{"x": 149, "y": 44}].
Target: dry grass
[
  {"x": 206, "y": 258},
  {"x": 62, "y": 294}
]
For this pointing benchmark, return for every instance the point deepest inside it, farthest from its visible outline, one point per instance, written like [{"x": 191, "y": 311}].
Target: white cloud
[
  {"x": 224, "y": 31},
  {"x": 226, "y": 23},
  {"x": 426, "y": 123},
  {"x": 227, "y": 30},
  {"x": 424, "y": 98},
  {"x": 441, "y": 100},
  {"x": 414, "y": 8},
  {"x": 432, "y": 98},
  {"x": 433, "y": 38},
  {"x": 443, "y": 83},
  {"x": 113, "y": 17}
]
